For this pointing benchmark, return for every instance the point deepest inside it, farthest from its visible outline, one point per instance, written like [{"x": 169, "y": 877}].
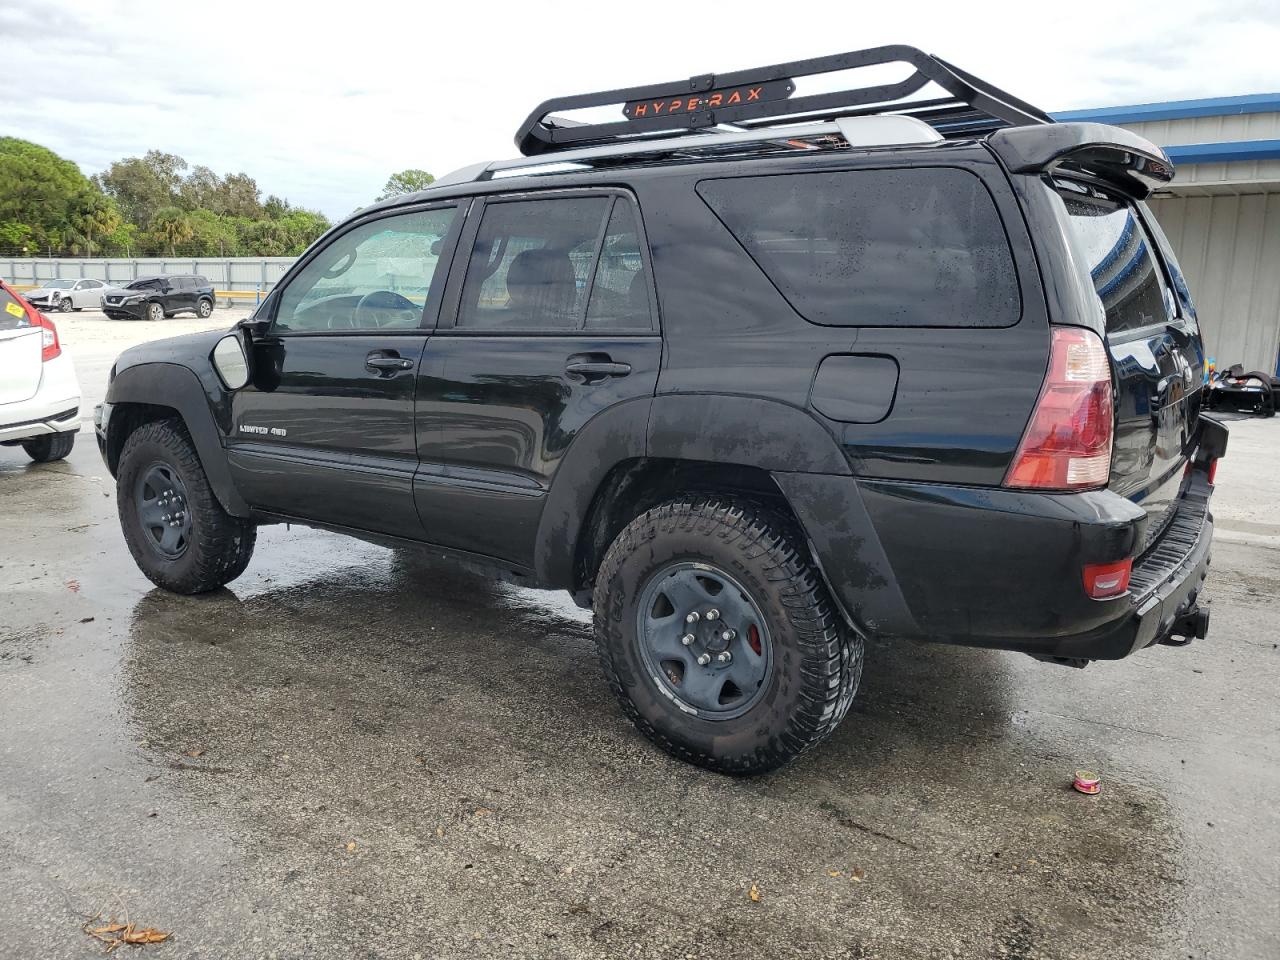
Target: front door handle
[
  {"x": 387, "y": 363},
  {"x": 595, "y": 367}
]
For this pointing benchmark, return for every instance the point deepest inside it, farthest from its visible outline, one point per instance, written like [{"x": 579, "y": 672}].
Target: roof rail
[
  {"x": 762, "y": 97},
  {"x": 841, "y": 133}
]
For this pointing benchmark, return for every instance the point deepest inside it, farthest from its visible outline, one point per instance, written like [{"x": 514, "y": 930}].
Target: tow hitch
[{"x": 1193, "y": 624}]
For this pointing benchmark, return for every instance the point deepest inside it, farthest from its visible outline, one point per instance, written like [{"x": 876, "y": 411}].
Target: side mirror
[{"x": 231, "y": 361}]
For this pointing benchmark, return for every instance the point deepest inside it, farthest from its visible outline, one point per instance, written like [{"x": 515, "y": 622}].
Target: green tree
[
  {"x": 406, "y": 181},
  {"x": 212, "y": 235},
  {"x": 172, "y": 226},
  {"x": 41, "y": 194},
  {"x": 142, "y": 186},
  {"x": 96, "y": 216}
]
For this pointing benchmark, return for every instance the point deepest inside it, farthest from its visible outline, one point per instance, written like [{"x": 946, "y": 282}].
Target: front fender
[{"x": 178, "y": 387}]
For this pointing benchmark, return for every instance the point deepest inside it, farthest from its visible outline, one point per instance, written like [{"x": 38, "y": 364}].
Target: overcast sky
[{"x": 321, "y": 105}]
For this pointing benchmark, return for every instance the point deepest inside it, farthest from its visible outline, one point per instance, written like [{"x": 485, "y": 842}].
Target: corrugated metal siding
[
  {"x": 1229, "y": 249},
  {"x": 1249, "y": 126}
]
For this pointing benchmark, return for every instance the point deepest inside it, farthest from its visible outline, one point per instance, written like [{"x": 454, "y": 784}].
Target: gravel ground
[{"x": 354, "y": 752}]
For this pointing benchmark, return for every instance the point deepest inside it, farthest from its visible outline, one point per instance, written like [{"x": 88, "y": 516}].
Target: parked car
[
  {"x": 67, "y": 295},
  {"x": 158, "y": 298},
  {"x": 39, "y": 393},
  {"x": 753, "y": 376}
]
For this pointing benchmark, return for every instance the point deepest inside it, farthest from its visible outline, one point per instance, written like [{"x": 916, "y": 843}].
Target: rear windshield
[
  {"x": 12, "y": 314},
  {"x": 918, "y": 247},
  {"x": 1110, "y": 240}
]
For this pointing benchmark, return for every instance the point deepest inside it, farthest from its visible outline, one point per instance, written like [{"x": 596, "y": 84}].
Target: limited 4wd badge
[{"x": 263, "y": 431}]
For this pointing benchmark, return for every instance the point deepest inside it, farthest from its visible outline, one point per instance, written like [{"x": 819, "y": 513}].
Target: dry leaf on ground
[
  {"x": 113, "y": 933},
  {"x": 857, "y": 874},
  {"x": 754, "y": 893}
]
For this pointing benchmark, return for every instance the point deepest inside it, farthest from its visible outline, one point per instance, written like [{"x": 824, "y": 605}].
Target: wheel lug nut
[
  {"x": 692, "y": 618},
  {"x": 687, "y": 639},
  {"x": 704, "y": 659},
  {"x": 728, "y": 635},
  {"x": 724, "y": 657},
  {"x": 713, "y": 614}
]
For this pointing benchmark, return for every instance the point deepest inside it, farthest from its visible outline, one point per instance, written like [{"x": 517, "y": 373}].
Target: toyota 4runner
[{"x": 754, "y": 374}]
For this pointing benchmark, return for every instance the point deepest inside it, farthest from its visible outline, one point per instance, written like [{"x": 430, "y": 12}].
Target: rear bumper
[
  {"x": 54, "y": 408},
  {"x": 1001, "y": 568}
]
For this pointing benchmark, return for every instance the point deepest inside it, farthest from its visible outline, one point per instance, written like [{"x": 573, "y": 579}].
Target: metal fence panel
[{"x": 245, "y": 275}]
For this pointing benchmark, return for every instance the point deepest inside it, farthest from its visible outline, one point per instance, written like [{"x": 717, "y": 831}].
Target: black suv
[
  {"x": 158, "y": 298},
  {"x": 754, "y": 386}
]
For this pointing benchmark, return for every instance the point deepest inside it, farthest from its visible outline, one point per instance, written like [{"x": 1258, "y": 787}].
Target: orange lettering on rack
[
  {"x": 638, "y": 111},
  {"x": 714, "y": 101},
  {"x": 735, "y": 97},
  {"x": 754, "y": 93}
]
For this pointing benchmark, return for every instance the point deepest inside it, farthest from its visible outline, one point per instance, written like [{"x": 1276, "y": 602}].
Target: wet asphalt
[{"x": 358, "y": 752}]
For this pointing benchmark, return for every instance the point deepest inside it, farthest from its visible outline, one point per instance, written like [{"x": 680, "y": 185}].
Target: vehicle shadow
[{"x": 456, "y": 723}]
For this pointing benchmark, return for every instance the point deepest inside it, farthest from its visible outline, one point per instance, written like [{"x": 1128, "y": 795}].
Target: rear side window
[
  {"x": 12, "y": 314},
  {"x": 921, "y": 247},
  {"x": 1114, "y": 247},
  {"x": 556, "y": 264}
]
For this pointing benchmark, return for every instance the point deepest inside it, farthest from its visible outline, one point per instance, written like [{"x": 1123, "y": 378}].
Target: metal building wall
[{"x": 1229, "y": 249}]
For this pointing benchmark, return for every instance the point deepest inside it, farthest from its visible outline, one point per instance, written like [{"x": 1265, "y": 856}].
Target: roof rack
[{"x": 762, "y": 97}]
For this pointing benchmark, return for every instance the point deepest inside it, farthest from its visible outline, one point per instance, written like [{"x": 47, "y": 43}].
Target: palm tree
[
  {"x": 172, "y": 226},
  {"x": 97, "y": 217}
]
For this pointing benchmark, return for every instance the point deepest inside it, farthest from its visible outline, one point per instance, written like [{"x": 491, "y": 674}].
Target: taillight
[
  {"x": 1067, "y": 444},
  {"x": 1213, "y": 470},
  {"x": 1105, "y": 580},
  {"x": 50, "y": 347}
]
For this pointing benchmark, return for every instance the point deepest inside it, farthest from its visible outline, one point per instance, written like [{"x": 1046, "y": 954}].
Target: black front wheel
[
  {"x": 719, "y": 638},
  {"x": 178, "y": 533},
  {"x": 155, "y": 312}
]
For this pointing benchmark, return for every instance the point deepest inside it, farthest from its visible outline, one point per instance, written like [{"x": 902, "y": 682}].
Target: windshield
[{"x": 59, "y": 284}]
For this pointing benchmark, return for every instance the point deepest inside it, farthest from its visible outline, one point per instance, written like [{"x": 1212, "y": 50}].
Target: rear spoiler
[{"x": 1122, "y": 159}]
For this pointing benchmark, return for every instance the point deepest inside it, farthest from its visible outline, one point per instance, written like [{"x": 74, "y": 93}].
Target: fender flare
[
  {"x": 610, "y": 437},
  {"x": 726, "y": 429},
  {"x": 179, "y": 388}
]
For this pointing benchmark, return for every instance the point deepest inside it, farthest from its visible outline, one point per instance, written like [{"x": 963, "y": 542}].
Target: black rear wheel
[
  {"x": 176, "y": 529},
  {"x": 49, "y": 446},
  {"x": 719, "y": 638},
  {"x": 204, "y": 308}
]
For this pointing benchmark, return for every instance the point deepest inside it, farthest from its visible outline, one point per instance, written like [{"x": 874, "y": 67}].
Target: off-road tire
[
  {"x": 220, "y": 545},
  {"x": 155, "y": 312},
  {"x": 204, "y": 308},
  {"x": 817, "y": 658},
  {"x": 50, "y": 446}
]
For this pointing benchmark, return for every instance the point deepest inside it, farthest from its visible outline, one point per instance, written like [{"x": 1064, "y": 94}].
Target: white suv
[{"x": 39, "y": 393}]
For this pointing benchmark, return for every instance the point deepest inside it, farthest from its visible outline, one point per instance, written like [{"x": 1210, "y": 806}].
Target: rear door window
[
  {"x": 12, "y": 314},
  {"x": 531, "y": 264},
  {"x": 1110, "y": 240},
  {"x": 918, "y": 247}
]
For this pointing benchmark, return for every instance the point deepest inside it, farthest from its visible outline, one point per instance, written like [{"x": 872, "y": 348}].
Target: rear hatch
[
  {"x": 20, "y": 348},
  {"x": 1157, "y": 356}
]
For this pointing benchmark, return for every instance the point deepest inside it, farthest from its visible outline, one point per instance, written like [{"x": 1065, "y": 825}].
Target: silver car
[{"x": 66, "y": 295}]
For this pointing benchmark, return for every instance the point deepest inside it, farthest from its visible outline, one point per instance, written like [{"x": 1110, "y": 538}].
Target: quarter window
[
  {"x": 916, "y": 247},
  {"x": 377, "y": 276}
]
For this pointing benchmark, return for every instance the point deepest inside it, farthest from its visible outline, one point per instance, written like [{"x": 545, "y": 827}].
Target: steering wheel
[{"x": 383, "y": 308}]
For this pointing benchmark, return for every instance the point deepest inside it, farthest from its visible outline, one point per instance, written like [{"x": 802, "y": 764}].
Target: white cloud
[{"x": 321, "y": 102}]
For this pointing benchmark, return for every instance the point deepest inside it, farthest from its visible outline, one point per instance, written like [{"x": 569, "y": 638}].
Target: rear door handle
[
  {"x": 385, "y": 363},
  {"x": 596, "y": 370}
]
